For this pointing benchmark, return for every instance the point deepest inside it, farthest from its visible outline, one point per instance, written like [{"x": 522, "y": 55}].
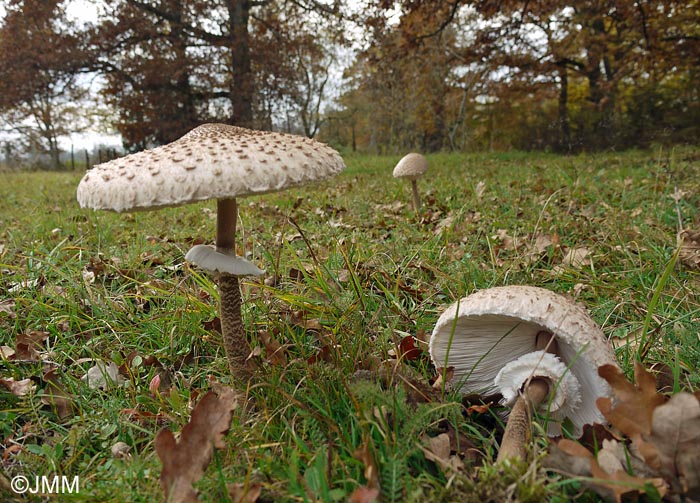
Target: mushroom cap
[
  {"x": 411, "y": 166},
  {"x": 213, "y": 161},
  {"x": 213, "y": 260},
  {"x": 564, "y": 394},
  {"x": 484, "y": 331}
]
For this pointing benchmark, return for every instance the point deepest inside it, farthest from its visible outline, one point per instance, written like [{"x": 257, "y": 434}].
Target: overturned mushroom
[
  {"x": 412, "y": 167},
  {"x": 536, "y": 348},
  {"x": 213, "y": 161}
]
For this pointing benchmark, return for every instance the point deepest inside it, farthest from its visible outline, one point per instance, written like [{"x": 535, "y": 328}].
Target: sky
[{"x": 85, "y": 11}]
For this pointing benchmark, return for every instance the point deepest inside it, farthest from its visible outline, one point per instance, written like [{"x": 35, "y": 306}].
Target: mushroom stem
[
  {"x": 226, "y": 216},
  {"x": 416, "y": 196},
  {"x": 517, "y": 433},
  {"x": 235, "y": 342}
]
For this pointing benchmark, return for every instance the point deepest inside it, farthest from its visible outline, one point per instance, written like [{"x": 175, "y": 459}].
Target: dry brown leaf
[
  {"x": 444, "y": 377},
  {"x": 244, "y": 493},
  {"x": 576, "y": 258},
  {"x": 593, "y": 436},
  {"x": 364, "y": 494},
  {"x": 184, "y": 462},
  {"x": 439, "y": 450},
  {"x": 673, "y": 447},
  {"x": 544, "y": 241},
  {"x": 6, "y": 352},
  {"x": 509, "y": 242},
  {"x": 102, "y": 375},
  {"x": 364, "y": 455},
  {"x": 56, "y": 396},
  {"x": 30, "y": 346},
  {"x": 444, "y": 224},
  {"x": 611, "y": 486},
  {"x": 634, "y": 405},
  {"x": 7, "y": 306},
  {"x": 689, "y": 241},
  {"x": 407, "y": 350},
  {"x": 17, "y": 388},
  {"x": 479, "y": 190},
  {"x": 274, "y": 351}
]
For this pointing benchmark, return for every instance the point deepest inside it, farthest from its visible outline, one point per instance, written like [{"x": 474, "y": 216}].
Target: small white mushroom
[
  {"x": 412, "y": 167},
  {"x": 536, "y": 348},
  {"x": 213, "y": 161}
]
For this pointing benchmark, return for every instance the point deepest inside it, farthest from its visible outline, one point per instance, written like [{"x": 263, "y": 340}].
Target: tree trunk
[
  {"x": 564, "y": 125},
  {"x": 185, "y": 116},
  {"x": 242, "y": 81}
]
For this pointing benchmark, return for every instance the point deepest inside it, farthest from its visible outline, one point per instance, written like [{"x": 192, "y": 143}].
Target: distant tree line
[
  {"x": 423, "y": 75},
  {"x": 564, "y": 76}
]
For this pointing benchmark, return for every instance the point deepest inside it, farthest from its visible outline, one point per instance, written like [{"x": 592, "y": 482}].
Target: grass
[{"x": 350, "y": 269}]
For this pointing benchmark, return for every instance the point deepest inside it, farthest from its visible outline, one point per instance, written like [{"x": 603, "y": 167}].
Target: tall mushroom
[
  {"x": 412, "y": 167},
  {"x": 535, "y": 347},
  {"x": 213, "y": 161}
]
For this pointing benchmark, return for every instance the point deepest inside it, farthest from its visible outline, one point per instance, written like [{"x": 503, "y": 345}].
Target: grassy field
[{"x": 350, "y": 271}]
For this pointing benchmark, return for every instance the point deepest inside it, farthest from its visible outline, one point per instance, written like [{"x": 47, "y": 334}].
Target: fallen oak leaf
[
  {"x": 184, "y": 462},
  {"x": 364, "y": 494},
  {"x": 444, "y": 376},
  {"x": 30, "y": 346},
  {"x": 274, "y": 351},
  {"x": 365, "y": 456},
  {"x": 6, "y": 353},
  {"x": 438, "y": 449},
  {"x": 635, "y": 404},
  {"x": 143, "y": 416},
  {"x": 244, "y": 493},
  {"x": 103, "y": 375},
  {"x": 479, "y": 409},
  {"x": 689, "y": 253},
  {"x": 594, "y": 435},
  {"x": 18, "y": 388},
  {"x": 407, "y": 349},
  {"x": 614, "y": 485},
  {"x": 56, "y": 396},
  {"x": 672, "y": 447},
  {"x": 7, "y": 306}
]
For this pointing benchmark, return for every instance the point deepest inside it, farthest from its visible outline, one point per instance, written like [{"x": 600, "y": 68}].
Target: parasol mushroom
[
  {"x": 412, "y": 167},
  {"x": 536, "y": 348},
  {"x": 213, "y": 161}
]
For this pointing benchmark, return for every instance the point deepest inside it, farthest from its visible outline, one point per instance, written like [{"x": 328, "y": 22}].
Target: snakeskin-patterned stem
[
  {"x": 516, "y": 437},
  {"x": 235, "y": 342}
]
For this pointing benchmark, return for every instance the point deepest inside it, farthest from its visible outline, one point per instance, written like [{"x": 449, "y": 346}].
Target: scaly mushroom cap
[
  {"x": 213, "y": 161},
  {"x": 411, "y": 166},
  {"x": 490, "y": 328}
]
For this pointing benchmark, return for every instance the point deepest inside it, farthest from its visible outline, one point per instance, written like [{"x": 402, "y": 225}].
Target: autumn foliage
[{"x": 654, "y": 444}]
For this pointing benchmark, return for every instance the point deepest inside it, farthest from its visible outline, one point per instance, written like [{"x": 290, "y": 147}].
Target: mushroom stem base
[
  {"x": 235, "y": 342},
  {"x": 517, "y": 433}
]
